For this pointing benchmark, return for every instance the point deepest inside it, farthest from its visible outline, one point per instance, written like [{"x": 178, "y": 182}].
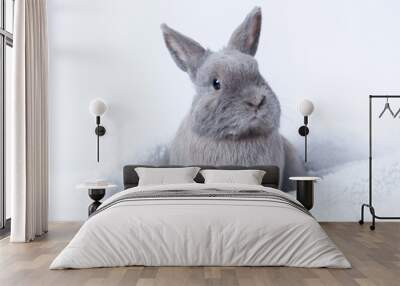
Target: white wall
[{"x": 332, "y": 52}]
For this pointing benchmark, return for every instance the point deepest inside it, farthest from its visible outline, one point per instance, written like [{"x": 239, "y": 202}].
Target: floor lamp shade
[
  {"x": 306, "y": 107},
  {"x": 97, "y": 107}
]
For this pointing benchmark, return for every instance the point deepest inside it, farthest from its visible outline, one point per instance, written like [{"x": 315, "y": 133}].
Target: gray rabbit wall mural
[
  {"x": 316, "y": 50},
  {"x": 235, "y": 115}
]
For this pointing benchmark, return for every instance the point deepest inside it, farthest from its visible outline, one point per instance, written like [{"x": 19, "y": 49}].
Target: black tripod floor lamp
[{"x": 386, "y": 109}]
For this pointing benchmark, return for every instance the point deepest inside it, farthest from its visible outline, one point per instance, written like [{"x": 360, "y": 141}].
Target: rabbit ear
[
  {"x": 186, "y": 52},
  {"x": 245, "y": 37}
]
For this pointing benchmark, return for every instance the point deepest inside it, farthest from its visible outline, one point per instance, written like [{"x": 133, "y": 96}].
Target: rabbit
[{"x": 234, "y": 117}]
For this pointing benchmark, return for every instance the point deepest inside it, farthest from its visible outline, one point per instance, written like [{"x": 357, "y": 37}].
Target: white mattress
[{"x": 200, "y": 231}]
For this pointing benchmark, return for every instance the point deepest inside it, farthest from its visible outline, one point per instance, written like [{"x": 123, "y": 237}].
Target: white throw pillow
[
  {"x": 165, "y": 176},
  {"x": 248, "y": 177}
]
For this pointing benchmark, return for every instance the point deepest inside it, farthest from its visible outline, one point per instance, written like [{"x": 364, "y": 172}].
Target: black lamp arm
[
  {"x": 303, "y": 131},
  {"x": 100, "y": 131}
]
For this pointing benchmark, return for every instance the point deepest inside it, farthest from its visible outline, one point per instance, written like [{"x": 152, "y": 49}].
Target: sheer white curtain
[{"x": 28, "y": 123}]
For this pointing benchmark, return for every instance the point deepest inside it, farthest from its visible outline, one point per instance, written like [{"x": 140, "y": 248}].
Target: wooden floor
[{"x": 375, "y": 257}]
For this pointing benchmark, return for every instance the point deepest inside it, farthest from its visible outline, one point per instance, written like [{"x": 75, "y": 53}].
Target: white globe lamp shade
[
  {"x": 97, "y": 107},
  {"x": 306, "y": 107}
]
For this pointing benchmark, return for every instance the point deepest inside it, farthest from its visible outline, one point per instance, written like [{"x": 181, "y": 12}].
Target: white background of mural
[{"x": 333, "y": 53}]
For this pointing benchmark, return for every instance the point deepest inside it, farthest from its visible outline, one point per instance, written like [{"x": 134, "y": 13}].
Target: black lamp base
[
  {"x": 100, "y": 130},
  {"x": 304, "y": 131}
]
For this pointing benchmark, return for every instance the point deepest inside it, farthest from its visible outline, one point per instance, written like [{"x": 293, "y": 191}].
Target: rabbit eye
[{"x": 216, "y": 84}]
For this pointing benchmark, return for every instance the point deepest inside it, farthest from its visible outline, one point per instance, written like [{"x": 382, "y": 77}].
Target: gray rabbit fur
[{"x": 234, "y": 118}]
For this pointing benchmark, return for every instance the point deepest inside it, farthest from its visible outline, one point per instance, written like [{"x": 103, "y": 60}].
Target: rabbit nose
[{"x": 255, "y": 101}]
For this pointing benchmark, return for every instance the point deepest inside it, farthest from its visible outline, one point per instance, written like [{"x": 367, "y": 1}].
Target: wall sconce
[
  {"x": 306, "y": 107},
  {"x": 97, "y": 107}
]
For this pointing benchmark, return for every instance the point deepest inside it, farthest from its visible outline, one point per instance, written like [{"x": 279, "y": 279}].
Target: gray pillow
[
  {"x": 166, "y": 176},
  {"x": 248, "y": 177}
]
